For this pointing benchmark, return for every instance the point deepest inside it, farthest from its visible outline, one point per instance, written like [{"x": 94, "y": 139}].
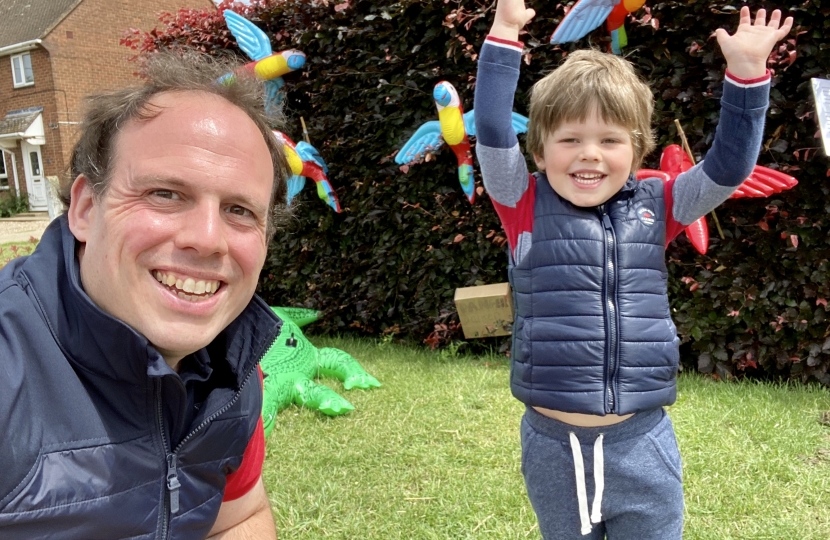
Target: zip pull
[
  {"x": 606, "y": 219},
  {"x": 173, "y": 484}
]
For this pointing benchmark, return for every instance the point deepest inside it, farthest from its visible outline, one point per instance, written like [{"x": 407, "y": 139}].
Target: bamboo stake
[
  {"x": 305, "y": 131},
  {"x": 688, "y": 150}
]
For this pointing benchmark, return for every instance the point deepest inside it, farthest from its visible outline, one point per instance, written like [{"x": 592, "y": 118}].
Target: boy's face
[{"x": 587, "y": 162}]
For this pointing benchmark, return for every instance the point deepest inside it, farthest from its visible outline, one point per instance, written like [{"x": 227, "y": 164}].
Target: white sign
[{"x": 821, "y": 94}]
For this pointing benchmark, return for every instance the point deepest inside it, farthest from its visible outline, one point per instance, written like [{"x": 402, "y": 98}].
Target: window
[
  {"x": 4, "y": 176},
  {"x": 35, "y": 163},
  {"x": 22, "y": 70}
]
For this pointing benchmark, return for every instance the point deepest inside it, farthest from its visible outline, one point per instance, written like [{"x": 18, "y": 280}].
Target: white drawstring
[
  {"x": 599, "y": 480},
  {"x": 581, "y": 491}
]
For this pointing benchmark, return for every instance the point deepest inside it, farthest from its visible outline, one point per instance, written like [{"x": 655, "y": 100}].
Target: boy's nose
[{"x": 590, "y": 153}]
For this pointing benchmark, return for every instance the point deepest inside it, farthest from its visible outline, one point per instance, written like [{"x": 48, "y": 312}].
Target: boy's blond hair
[{"x": 588, "y": 79}]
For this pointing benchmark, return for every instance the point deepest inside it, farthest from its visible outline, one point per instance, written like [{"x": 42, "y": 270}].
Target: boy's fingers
[
  {"x": 775, "y": 19},
  {"x": 786, "y": 27},
  {"x": 746, "y": 18},
  {"x": 761, "y": 17}
]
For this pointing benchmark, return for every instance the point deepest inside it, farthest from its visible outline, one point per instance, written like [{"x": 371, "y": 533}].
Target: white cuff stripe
[
  {"x": 503, "y": 45},
  {"x": 748, "y": 85}
]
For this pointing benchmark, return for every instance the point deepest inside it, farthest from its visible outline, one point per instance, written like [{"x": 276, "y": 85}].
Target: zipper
[
  {"x": 609, "y": 299},
  {"x": 165, "y": 503},
  {"x": 170, "y": 504}
]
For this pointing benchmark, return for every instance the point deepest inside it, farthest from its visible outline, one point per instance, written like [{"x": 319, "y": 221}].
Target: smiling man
[{"x": 129, "y": 340}]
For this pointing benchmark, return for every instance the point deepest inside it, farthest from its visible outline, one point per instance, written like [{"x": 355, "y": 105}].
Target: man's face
[
  {"x": 587, "y": 162},
  {"x": 175, "y": 245}
]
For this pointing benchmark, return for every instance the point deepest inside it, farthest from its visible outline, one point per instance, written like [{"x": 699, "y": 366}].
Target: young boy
[{"x": 595, "y": 351}]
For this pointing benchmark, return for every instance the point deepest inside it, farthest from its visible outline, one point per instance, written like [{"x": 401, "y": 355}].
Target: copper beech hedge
[{"x": 388, "y": 265}]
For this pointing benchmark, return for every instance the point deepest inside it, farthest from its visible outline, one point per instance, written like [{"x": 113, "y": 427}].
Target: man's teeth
[
  {"x": 587, "y": 178},
  {"x": 186, "y": 287}
]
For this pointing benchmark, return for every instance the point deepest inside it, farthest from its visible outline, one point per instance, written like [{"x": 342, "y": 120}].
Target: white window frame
[
  {"x": 22, "y": 64},
  {"x": 4, "y": 174}
]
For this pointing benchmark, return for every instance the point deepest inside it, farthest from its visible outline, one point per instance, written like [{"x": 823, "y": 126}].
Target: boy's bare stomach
[{"x": 583, "y": 420}]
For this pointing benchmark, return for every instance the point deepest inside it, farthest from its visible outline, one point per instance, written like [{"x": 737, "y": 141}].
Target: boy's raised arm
[
  {"x": 503, "y": 167},
  {"x": 739, "y": 133}
]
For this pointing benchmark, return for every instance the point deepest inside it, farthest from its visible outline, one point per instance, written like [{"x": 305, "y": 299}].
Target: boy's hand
[
  {"x": 511, "y": 16},
  {"x": 747, "y": 50}
]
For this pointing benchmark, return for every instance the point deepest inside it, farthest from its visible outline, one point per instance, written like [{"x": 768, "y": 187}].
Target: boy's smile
[{"x": 587, "y": 162}]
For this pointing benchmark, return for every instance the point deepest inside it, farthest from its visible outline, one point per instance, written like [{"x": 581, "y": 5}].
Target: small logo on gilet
[{"x": 646, "y": 216}]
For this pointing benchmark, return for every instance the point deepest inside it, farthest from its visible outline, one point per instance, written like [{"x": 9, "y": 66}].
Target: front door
[{"x": 35, "y": 181}]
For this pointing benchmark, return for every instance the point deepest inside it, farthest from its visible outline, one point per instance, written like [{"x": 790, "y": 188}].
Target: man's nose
[{"x": 202, "y": 229}]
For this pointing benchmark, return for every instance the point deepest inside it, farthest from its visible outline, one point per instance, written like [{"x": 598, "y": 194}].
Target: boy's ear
[
  {"x": 81, "y": 206},
  {"x": 540, "y": 162}
]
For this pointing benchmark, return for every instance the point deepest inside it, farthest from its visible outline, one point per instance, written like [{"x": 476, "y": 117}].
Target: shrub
[
  {"x": 11, "y": 205},
  {"x": 407, "y": 237}
]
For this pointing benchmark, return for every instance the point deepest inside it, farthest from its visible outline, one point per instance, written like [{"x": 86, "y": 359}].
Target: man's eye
[
  {"x": 165, "y": 194},
  {"x": 239, "y": 211}
]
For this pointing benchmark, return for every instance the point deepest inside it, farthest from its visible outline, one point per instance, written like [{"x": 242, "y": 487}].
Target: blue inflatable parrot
[
  {"x": 267, "y": 65},
  {"x": 586, "y": 15},
  {"x": 453, "y": 127},
  {"x": 305, "y": 162}
]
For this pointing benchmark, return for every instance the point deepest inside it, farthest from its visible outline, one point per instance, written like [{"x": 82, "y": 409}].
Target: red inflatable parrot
[{"x": 762, "y": 182}]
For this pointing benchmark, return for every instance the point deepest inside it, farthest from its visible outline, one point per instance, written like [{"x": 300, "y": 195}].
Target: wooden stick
[
  {"x": 305, "y": 131},
  {"x": 688, "y": 150}
]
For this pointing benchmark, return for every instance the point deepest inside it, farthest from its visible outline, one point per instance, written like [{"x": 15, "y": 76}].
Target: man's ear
[
  {"x": 81, "y": 205},
  {"x": 540, "y": 162}
]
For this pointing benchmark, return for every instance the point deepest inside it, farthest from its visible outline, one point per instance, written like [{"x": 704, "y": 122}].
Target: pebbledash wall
[{"x": 79, "y": 56}]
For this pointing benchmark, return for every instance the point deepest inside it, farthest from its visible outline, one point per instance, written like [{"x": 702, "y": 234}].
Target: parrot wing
[
  {"x": 309, "y": 153},
  {"x": 273, "y": 96},
  {"x": 426, "y": 139},
  {"x": 296, "y": 184},
  {"x": 519, "y": 123},
  {"x": 763, "y": 182},
  {"x": 253, "y": 41},
  {"x": 583, "y": 17}
]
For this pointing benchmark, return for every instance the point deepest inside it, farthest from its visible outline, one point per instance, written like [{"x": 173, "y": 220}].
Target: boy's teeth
[{"x": 187, "y": 287}]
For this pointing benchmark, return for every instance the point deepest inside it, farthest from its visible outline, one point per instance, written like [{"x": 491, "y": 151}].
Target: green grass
[
  {"x": 15, "y": 249},
  {"x": 435, "y": 454}
]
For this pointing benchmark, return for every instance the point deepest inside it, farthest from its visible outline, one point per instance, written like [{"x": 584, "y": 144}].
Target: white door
[{"x": 35, "y": 181}]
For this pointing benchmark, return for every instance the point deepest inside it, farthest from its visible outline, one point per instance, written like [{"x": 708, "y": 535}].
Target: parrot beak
[{"x": 441, "y": 95}]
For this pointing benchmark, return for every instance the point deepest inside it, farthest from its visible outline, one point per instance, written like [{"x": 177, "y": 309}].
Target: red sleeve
[
  {"x": 673, "y": 227},
  {"x": 245, "y": 478},
  {"x": 519, "y": 219}
]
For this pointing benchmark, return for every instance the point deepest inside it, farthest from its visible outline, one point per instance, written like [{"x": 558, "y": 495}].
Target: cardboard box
[{"x": 486, "y": 310}]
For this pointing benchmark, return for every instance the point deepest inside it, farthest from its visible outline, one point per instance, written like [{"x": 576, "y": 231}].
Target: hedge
[{"x": 755, "y": 304}]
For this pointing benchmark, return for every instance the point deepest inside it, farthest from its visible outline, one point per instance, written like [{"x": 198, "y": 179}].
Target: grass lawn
[
  {"x": 434, "y": 454},
  {"x": 15, "y": 249}
]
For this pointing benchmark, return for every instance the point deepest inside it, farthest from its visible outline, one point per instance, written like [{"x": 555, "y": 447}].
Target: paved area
[{"x": 23, "y": 227}]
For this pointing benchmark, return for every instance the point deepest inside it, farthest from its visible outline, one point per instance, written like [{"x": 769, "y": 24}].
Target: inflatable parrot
[
  {"x": 762, "y": 182},
  {"x": 305, "y": 162},
  {"x": 453, "y": 127},
  {"x": 587, "y": 15},
  {"x": 267, "y": 65}
]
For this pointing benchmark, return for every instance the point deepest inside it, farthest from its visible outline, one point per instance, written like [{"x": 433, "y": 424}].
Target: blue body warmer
[
  {"x": 592, "y": 331},
  {"x": 94, "y": 443}
]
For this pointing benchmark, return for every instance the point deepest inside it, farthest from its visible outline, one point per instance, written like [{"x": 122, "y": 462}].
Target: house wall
[
  {"x": 41, "y": 94},
  {"x": 87, "y": 57},
  {"x": 80, "y": 56}
]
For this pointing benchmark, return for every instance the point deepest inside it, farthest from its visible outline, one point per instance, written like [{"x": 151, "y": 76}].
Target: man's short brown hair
[
  {"x": 164, "y": 72},
  {"x": 586, "y": 80}
]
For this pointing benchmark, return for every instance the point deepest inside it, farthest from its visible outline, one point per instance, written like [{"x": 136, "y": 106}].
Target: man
[{"x": 130, "y": 396}]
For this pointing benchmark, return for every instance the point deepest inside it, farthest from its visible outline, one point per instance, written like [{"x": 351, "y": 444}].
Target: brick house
[{"x": 52, "y": 54}]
